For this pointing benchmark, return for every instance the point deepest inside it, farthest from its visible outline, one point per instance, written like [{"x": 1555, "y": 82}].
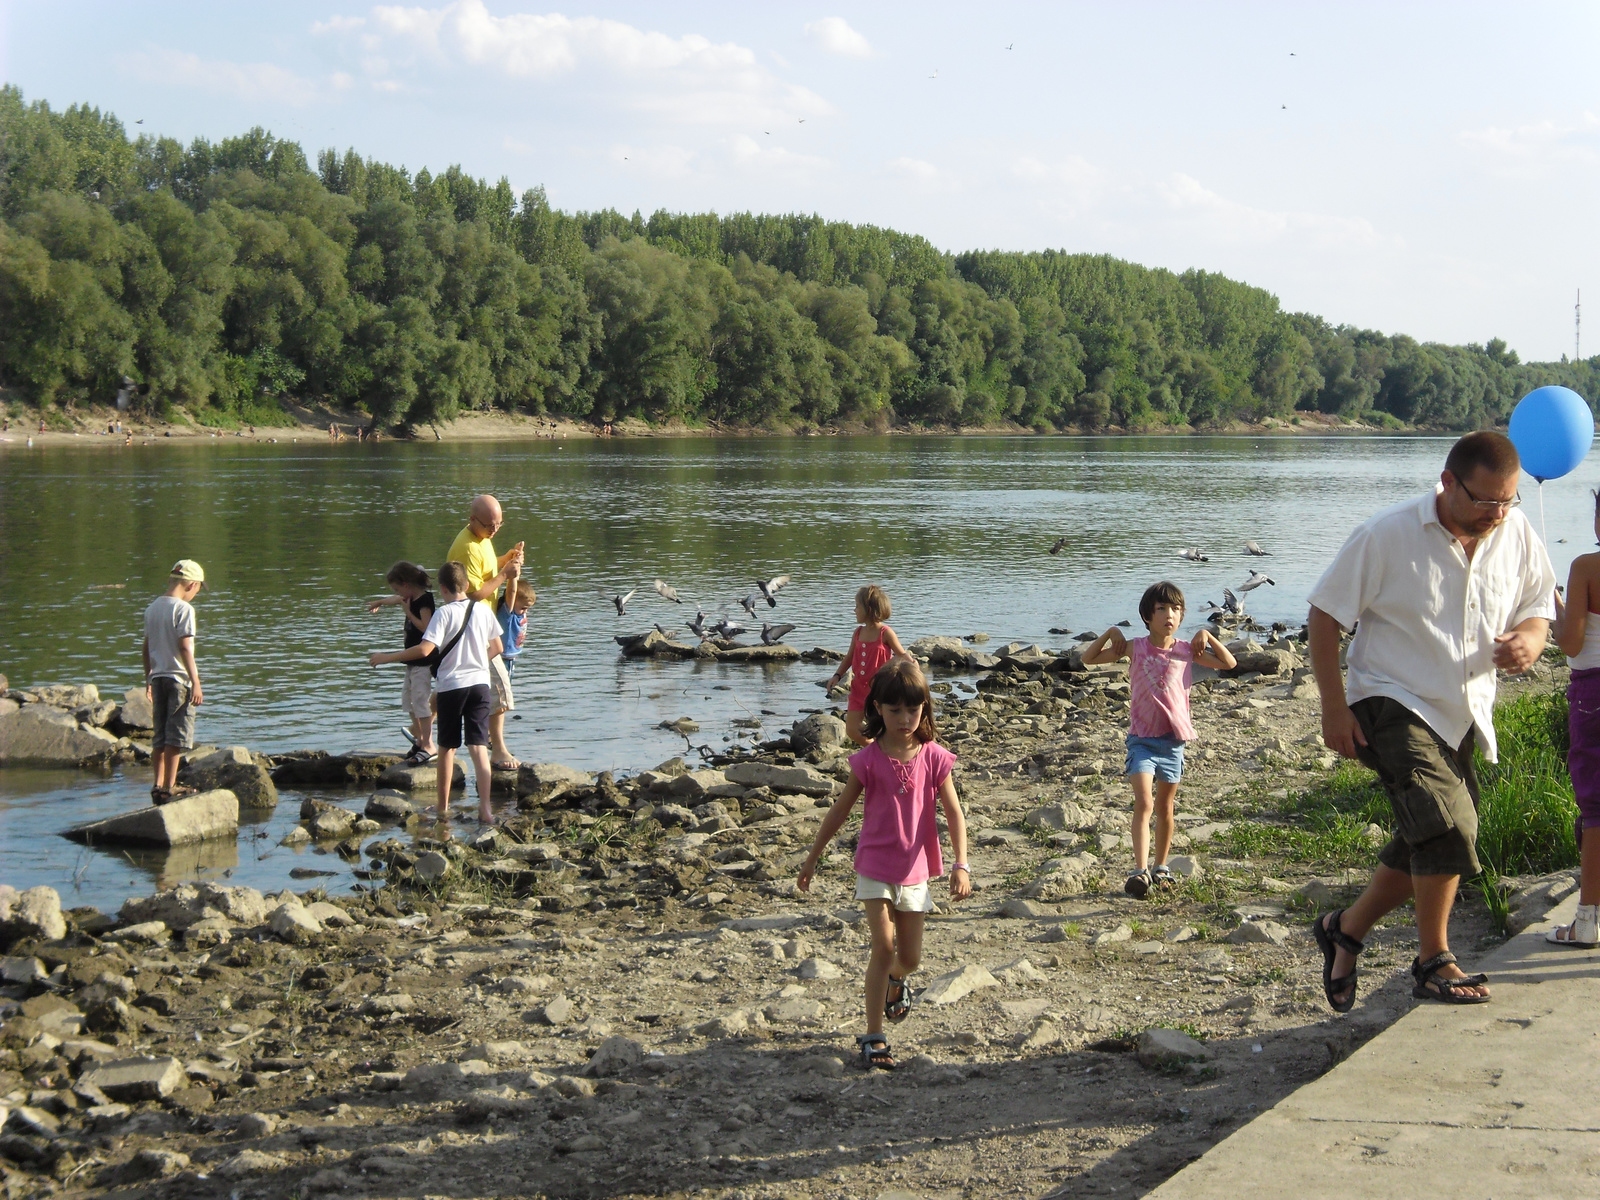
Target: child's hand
[
  {"x": 803, "y": 880},
  {"x": 376, "y": 605},
  {"x": 375, "y": 659},
  {"x": 1201, "y": 640},
  {"x": 960, "y": 883}
]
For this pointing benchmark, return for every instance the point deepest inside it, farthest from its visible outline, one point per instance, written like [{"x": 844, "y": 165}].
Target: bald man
[{"x": 486, "y": 573}]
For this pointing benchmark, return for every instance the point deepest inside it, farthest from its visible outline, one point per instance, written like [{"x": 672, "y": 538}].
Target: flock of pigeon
[
  {"x": 724, "y": 628},
  {"x": 1232, "y": 603}
]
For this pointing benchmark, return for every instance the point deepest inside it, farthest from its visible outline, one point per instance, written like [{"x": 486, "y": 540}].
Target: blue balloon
[{"x": 1552, "y": 429}]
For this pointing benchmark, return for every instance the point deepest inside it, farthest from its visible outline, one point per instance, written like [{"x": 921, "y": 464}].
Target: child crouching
[{"x": 897, "y": 777}]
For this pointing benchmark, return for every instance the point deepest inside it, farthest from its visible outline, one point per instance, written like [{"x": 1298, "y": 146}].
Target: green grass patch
[{"x": 1527, "y": 809}]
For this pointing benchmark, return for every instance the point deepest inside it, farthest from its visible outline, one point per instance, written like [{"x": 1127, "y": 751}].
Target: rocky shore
[{"x": 619, "y": 992}]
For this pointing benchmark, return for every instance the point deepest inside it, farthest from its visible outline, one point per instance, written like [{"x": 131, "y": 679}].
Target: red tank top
[{"x": 866, "y": 658}]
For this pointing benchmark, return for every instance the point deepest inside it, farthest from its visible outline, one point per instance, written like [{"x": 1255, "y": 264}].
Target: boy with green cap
[{"x": 171, "y": 679}]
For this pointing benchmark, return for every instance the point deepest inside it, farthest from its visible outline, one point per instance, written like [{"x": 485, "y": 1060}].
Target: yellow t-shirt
[{"x": 478, "y": 557}]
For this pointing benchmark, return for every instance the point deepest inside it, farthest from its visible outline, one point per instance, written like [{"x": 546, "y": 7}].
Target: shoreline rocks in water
[{"x": 198, "y": 818}]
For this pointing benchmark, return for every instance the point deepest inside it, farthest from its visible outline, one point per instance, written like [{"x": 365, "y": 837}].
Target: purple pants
[{"x": 1583, "y": 759}]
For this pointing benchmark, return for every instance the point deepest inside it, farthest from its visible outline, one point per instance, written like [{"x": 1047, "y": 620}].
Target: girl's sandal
[
  {"x": 875, "y": 1052},
  {"x": 899, "y": 1007},
  {"x": 1137, "y": 884},
  {"x": 1333, "y": 939},
  {"x": 1582, "y": 934},
  {"x": 1162, "y": 877},
  {"x": 1446, "y": 991}
]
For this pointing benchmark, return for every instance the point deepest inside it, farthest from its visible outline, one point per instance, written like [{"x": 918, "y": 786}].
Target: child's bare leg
[
  {"x": 422, "y": 732},
  {"x": 1166, "y": 818},
  {"x": 1143, "y": 804},
  {"x": 855, "y": 726},
  {"x": 907, "y": 943},
  {"x": 166, "y": 760},
  {"x": 881, "y": 923},
  {"x": 480, "y": 763},
  {"x": 445, "y": 764}
]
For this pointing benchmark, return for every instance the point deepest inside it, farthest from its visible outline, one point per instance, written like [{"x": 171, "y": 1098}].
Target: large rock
[
  {"x": 946, "y": 651},
  {"x": 190, "y": 903},
  {"x": 409, "y": 777},
  {"x": 817, "y": 731},
  {"x": 543, "y": 780},
  {"x": 954, "y": 985},
  {"x": 67, "y": 695},
  {"x": 388, "y": 806},
  {"x": 293, "y": 923},
  {"x": 695, "y": 785},
  {"x": 614, "y": 1056},
  {"x": 804, "y": 780},
  {"x": 1063, "y": 817},
  {"x": 135, "y": 715},
  {"x": 36, "y": 736},
  {"x": 1168, "y": 1048},
  {"x": 319, "y": 768},
  {"x": 752, "y": 654},
  {"x": 235, "y": 769},
  {"x": 1253, "y": 660},
  {"x": 192, "y": 819},
  {"x": 35, "y": 913},
  {"x": 137, "y": 1078}
]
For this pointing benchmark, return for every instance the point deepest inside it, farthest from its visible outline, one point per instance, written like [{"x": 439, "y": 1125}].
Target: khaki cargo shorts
[
  {"x": 173, "y": 714},
  {"x": 1432, "y": 789}
]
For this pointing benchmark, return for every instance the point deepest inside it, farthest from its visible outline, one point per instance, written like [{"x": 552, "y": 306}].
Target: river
[{"x": 295, "y": 537}]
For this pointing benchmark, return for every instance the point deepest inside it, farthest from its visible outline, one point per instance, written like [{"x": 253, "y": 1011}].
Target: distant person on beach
[
  {"x": 1160, "y": 674},
  {"x": 409, "y": 583},
  {"x": 486, "y": 572},
  {"x": 1577, "y": 631},
  {"x": 467, "y": 638},
  {"x": 1440, "y": 591},
  {"x": 513, "y": 613},
  {"x": 899, "y": 779},
  {"x": 171, "y": 679},
  {"x": 872, "y": 645}
]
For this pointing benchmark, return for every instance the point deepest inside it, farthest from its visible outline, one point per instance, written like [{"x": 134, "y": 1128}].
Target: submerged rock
[{"x": 192, "y": 819}]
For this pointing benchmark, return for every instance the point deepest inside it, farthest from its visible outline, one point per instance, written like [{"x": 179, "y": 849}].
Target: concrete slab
[{"x": 1482, "y": 1101}]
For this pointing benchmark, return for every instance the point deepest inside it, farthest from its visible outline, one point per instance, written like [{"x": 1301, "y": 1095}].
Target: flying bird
[
  {"x": 1256, "y": 580},
  {"x": 749, "y": 605},
  {"x": 771, "y": 635},
  {"x": 698, "y": 625},
  {"x": 1231, "y": 603},
  {"x": 769, "y": 589},
  {"x": 802, "y": 120},
  {"x": 1010, "y": 45},
  {"x": 727, "y": 629},
  {"x": 1194, "y": 554},
  {"x": 140, "y": 121},
  {"x": 935, "y": 74},
  {"x": 1254, "y": 549},
  {"x": 666, "y": 592},
  {"x": 1059, "y": 546},
  {"x": 622, "y": 602}
]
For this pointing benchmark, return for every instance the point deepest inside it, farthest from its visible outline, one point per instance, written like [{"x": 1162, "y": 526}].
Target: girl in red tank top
[{"x": 871, "y": 646}]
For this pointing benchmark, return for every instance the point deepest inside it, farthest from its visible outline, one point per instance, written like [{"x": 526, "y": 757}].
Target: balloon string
[{"x": 1543, "y": 536}]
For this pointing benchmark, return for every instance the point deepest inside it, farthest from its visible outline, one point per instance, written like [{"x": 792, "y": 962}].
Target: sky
[{"x": 1411, "y": 167}]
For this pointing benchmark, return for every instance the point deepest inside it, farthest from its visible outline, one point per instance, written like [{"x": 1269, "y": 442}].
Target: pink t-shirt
[
  {"x": 1158, "y": 683},
  {"x": 899, "y": 840}
]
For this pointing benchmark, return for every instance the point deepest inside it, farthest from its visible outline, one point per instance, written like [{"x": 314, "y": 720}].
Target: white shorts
[
  {"x": 500, "y": 685},
  {"x": 902, "y": 897},
  {"x": 419, "y": 687}
]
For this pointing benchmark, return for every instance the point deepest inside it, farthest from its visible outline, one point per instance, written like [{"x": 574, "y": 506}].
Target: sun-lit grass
[{"x": 1527, "y": 810}]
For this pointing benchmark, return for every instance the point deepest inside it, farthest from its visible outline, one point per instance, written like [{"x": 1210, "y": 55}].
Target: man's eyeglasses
[{"x": 1491, "y": 505}]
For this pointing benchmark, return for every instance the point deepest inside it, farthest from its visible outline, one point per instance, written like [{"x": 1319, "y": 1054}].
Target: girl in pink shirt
[
  {"x": 1158, "y": 716},
  {"x": 897, "y": 777},
  {"x": 871, "y": 646}
]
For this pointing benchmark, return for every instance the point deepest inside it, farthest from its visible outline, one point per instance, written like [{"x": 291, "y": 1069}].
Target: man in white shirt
[{"x": 1440, "y": 591}]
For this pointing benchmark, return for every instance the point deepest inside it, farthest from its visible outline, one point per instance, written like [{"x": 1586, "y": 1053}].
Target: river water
[{"x": 295, "y": 537}]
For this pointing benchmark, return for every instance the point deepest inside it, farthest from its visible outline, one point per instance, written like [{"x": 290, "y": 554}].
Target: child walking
[
  {"x": 1577, "y": 632},
  {"x": 171, "y": 679},
  {"x": 466, "y": 636},
  {"x": 1159, "y": 677},
  {"x": 512, "y": 610},
  {"x": 871, "y": 646},
  {"x": 409, "y": 583},
  {"x": 897, "y": 779}
]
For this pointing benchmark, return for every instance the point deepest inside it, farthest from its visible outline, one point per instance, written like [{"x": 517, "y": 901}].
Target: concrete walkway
[{"x": 1488, "y": 1102}]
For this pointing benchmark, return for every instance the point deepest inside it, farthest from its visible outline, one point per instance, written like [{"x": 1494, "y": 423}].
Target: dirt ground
[{"x": 663, "y": 1014}]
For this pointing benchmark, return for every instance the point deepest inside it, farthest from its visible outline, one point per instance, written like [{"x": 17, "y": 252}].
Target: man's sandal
[
  {"x": 875, "y": 1052},
  {"x": 1137, "y": 884},
  {"x": 1449, "y": 991},
  {"x": 1333, "y": 939},
  {"x": 898, "y": 1008}
]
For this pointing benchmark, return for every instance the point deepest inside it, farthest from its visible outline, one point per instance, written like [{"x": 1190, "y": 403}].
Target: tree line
[{"x": 217, "y": 275}]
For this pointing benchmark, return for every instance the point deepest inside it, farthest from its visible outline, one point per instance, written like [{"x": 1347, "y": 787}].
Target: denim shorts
[{"x": 1158, "y": 756}]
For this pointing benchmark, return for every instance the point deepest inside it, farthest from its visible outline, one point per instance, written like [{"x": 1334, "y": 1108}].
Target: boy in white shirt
[
  {"x": 468, "y": 636},
  {"x": 171, "y": 679}
]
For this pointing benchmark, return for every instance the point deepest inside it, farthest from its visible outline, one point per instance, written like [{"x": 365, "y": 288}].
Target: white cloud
[
  {"x": 338, "y": 24},
  {"x": 1073, "y": 183},
  {"x": 835, "y": 36},
  {"x": 1543, "y": 141},
  {"x": 687, "y": 79},
  {"x": 248, "y": 81},
  {"x": 1226, "y": 220},
  {"x": 915, "y": 169}
]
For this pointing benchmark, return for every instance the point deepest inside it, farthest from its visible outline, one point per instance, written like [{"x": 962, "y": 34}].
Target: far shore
[{"x": 89, "y": 425}]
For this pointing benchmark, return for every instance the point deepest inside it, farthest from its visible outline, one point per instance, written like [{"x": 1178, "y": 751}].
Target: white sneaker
[{"x": 1582, "y": 934}]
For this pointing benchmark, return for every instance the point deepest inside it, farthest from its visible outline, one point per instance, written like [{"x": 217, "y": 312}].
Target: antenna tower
[{"x": 1577, "y": 327}]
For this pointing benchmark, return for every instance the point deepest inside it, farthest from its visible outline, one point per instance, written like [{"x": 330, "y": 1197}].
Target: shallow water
[{"x": 295, "y": 537}]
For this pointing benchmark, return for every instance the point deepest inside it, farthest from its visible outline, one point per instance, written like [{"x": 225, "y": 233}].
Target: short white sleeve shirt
[
  {"x": 1426, "y": 615},
  {"x": 468, "y": 663}
]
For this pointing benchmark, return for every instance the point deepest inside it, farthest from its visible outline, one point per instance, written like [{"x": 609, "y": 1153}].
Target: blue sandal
[
  {"x": 875, "y": 1051},
  {"x": 898, "y": 1008}
]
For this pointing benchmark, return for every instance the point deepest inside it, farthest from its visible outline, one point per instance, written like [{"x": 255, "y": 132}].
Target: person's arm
[
  {"x": 495, "y": 648},
  {"x": 147, "y": 694},
  {"x": 1572, "y": 611},
  {"x": 896, "y": 650},
  {"x": 186, "y": 649},
  {"x": 420, "y": 624},
  {"x": 832, "y": 822},
  {"x": 513, "y": 555},
  {"x": 1107, "y": 648},
  {"x": 956, "y": 822},
  {"x": 849, "y": 657},
  {"x": 386, "y": 602},
  {"x": 1210, "y": 652},
  {"x": 1341, "y": 732},
  {"x": 412, "y": 654},
  {"x": 1519, "y": 647}
]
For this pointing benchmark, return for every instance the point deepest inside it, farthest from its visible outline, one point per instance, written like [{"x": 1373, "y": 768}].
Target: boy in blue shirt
[{"x": 513, "y": 613}]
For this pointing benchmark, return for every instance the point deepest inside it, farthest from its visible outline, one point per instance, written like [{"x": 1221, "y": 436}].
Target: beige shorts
[
  {"x": 419, "y": 689},
  {"x": 500, "y": 686},
  {"x": 902, "y": 897}
]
